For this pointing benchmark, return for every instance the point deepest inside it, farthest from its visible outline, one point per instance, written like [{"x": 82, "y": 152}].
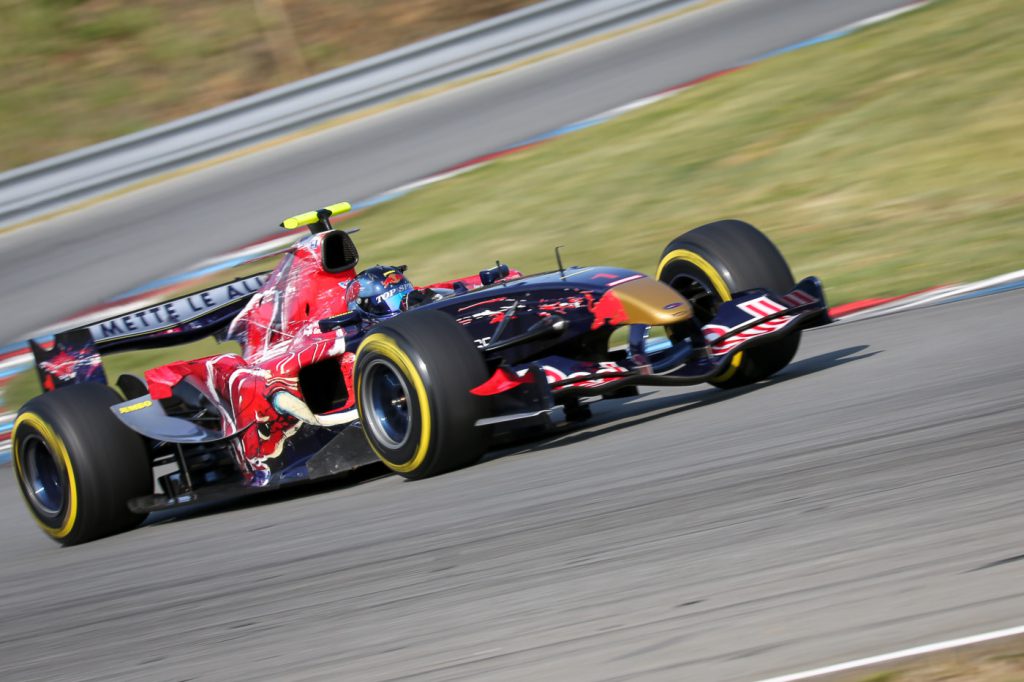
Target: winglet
[{"x": 317, "y": 218}]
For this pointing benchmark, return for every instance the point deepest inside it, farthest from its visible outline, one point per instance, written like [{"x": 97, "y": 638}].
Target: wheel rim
[
  {"x": 699, "y": 293},
  {"x": 702, "y": 297},
  {"x": 387, "y": 397},
  {"x": 43, "y": 477}
]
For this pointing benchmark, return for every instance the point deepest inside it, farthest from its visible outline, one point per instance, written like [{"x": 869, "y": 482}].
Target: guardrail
[{"x": 43, "y": 186}]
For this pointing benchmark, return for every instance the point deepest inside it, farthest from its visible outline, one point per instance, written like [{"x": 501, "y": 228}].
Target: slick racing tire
[
  {"x": 711, "y": 263},
  {"x": 77, "y": 465},
  {"x": 413, "y": 375}
]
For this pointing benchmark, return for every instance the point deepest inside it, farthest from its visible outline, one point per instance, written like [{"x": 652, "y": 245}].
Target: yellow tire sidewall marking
[
  {"x": 388, "y": 348},
  {"x": 721, "y": 288},
  {"x": 60, "y": 452}
]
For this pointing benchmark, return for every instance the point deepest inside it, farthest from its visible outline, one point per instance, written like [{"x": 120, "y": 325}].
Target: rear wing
[{"x": 75, "y": 356}]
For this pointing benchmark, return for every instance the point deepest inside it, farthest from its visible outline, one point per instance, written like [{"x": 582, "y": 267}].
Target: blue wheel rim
[
  {"x": 44, "y": 478},
  {"x": 387, "y": 397}
]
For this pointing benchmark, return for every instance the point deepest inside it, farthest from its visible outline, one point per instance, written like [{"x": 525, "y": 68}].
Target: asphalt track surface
[
  {"x": 53, "y": 270},
  {"x": 866, "y": 500}
]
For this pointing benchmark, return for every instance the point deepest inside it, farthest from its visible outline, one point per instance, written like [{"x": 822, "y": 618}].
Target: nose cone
[{"x": 648, "y": 301}]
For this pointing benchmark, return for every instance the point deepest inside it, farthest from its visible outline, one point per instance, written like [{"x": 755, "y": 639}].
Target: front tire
[
  {"x": 413, "y": 375},
  {"x": 77, "y": 465},
  {"x": 711, "y": 263}
]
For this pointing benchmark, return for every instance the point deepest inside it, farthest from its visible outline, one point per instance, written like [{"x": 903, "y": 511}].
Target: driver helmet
[{"x": 379, "y": 290}]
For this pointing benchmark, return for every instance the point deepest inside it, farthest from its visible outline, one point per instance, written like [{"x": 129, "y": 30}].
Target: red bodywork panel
[{"x": 258, "y": 391}]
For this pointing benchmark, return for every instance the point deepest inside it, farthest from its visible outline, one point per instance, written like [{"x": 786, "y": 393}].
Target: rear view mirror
[{"x": 499, "y": 272}]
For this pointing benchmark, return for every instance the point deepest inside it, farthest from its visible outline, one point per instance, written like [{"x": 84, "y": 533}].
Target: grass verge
[
  {"x": 884, "y": 163},
  {"x": 76, "y": 72},
  {"x": 997, "y": 661}
]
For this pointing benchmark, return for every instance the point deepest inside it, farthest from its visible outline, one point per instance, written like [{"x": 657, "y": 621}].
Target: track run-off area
[{"x": 863, "y": 501}]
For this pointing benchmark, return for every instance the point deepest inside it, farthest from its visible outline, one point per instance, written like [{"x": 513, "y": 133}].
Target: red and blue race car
[{"x": 341, "y": 368}]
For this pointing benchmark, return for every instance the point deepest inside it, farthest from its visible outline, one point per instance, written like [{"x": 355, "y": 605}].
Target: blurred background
[{"x": 886, "y": 162}]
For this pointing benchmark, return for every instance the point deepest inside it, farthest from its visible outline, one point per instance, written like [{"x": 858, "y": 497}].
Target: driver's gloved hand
[{"x": 419, "y": 297}]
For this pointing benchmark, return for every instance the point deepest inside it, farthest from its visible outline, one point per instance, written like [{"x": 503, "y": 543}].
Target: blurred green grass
[
  {"x": 885, "y": 162},
  {"x": 76, "y": 72}
]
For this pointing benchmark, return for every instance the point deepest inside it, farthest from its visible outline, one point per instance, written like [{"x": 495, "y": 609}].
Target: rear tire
[
  {"x": 77, "y": 465},
  {"x": 413, "y": 375},
  {"x": 711, "y": 263}
]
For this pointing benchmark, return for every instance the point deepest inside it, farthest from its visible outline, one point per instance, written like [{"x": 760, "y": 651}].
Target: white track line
[
  {"x": 932, "y": 296},
  {"x": 885, "y": 16},
  {"x": 896, "y": 655},
  {"x": 965, "y": 288}
]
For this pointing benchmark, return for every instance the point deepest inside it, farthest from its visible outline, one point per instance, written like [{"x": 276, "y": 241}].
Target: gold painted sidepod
[{"x": 648, "y": 301}]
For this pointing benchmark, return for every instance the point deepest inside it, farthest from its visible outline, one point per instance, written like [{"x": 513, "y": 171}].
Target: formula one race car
[{"x": 341, "y": 368}]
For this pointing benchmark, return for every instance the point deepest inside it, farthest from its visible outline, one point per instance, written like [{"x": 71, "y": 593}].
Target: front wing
[{"x": 750, "y": 319}]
